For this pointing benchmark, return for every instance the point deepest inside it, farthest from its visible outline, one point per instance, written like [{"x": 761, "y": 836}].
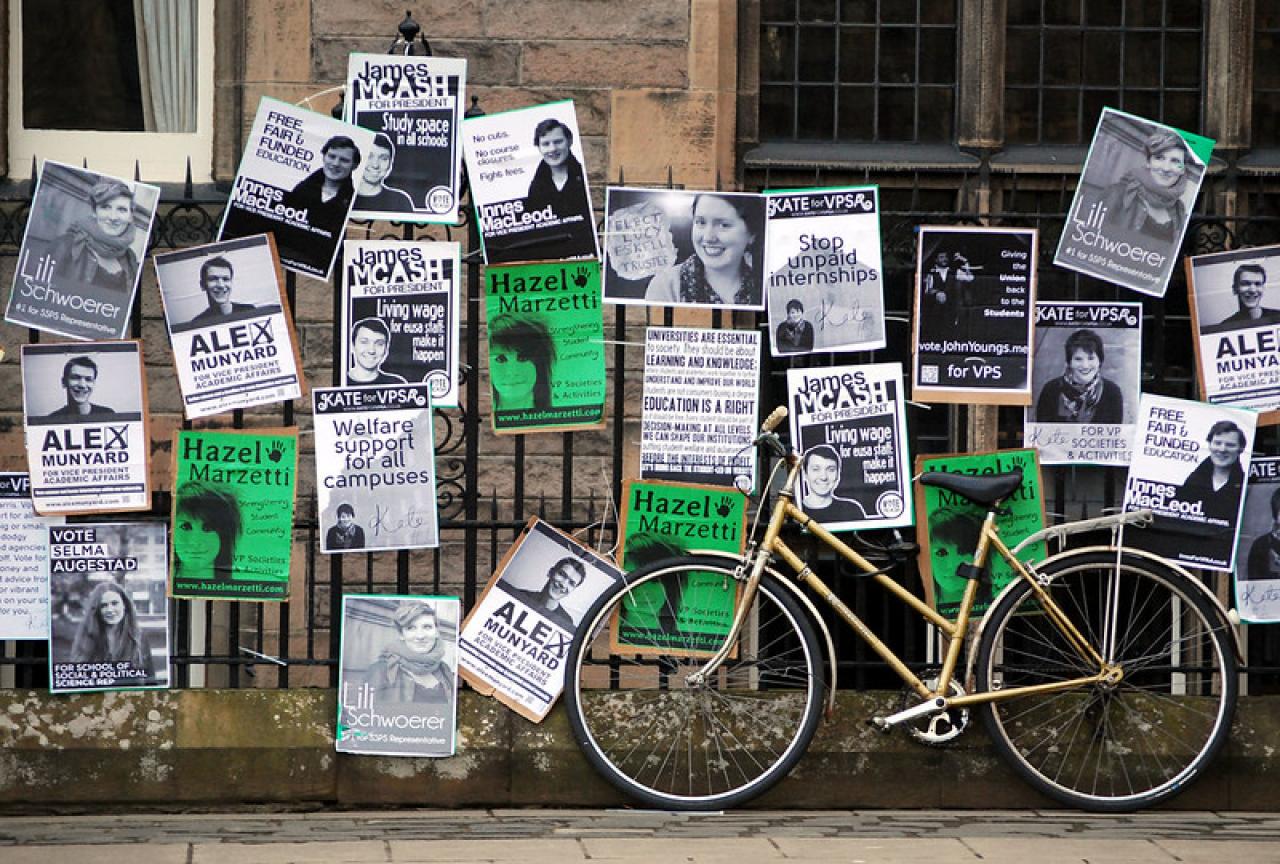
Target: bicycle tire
[
  {"x": 1121, "y": 747},
  {"x": 672, "y": 746}
]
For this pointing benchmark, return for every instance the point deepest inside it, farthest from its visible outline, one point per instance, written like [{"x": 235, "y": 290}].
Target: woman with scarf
[
  {"x": 728, "y": 248},
  {"x": 97, "y": 251},
  {"x": 413, "y": 668},
  {"x": 1081, "y": 395},
  {"x": 109, "y": 633},
  {"x": 1150, "y": 201}
]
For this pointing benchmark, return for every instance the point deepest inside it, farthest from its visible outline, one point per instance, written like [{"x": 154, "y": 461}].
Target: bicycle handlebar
[{"x": 771, "y": 422}]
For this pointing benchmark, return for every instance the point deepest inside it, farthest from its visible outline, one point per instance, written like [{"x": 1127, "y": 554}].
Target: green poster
[
  {"x": 692, "y": 612},
  {"x": 952, "y": 525},
  {"x": 233, "y": 493},
  {"x": 546, "y": 346}
]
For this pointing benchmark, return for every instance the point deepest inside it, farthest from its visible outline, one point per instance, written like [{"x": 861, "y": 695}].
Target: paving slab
[
  {"x": 942, "y": 850},
  {"x": 529, "y": 850},
  {"x": 328, "y": 852},
  {"x": 119, "y": 853},
  {"x": 1069, "y": 850},
  {"x": 731, "y": 849}
]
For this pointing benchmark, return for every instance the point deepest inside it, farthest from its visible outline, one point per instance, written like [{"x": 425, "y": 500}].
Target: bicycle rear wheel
[
  {"x": 672, "y": 744},
  {"x": 1110, "y": 747}
]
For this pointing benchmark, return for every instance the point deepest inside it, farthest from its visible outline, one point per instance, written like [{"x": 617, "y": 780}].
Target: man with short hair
[
  {"x": 370, "y": 342},
  {"x": 372, "y": 193},
  {"x": 216, "y": 275},
  {"x": 1248, "y": 284},
  {"x": 79, "y": 377},
  {"x": 564, "y": 576},
  {"x": 821, "y": 466}
]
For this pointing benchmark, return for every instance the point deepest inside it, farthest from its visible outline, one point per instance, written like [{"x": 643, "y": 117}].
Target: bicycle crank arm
[{"x": 929, "y": 706}]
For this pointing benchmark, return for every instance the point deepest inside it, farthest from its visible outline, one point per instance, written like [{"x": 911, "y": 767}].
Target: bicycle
[{"x": 1104, "y": 676}]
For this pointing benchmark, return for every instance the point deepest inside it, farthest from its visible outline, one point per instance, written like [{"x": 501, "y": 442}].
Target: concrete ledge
[{"x": 234, "y": 747}]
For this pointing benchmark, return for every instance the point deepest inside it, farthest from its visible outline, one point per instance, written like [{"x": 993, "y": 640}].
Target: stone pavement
[{"x": 569, "y": 836}]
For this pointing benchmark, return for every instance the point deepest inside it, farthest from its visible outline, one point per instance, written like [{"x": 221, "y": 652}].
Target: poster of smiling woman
[{"x": 1134, "y": 201}]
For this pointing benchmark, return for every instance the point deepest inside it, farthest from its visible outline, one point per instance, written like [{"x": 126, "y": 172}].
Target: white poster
[
  {"x": 1086, "y": 377},
  {"x": 529, "y": 184},
  {"x": 1190, "y": 461},
  {"x": 375, "y": 468},
  {"x": 398, "y": 676},
  {"x": 86, "y": 427},
  {"x": 849, "y": 425},
  {"x": 108, "y": 614},
  {"x": 233, "y": 341},
  {"x": 516, "y": 639},
  {"x": 698, "y": 414},
  {"x": 825, "y": 283},
  {"x": 400, "y": 316},
  {"x": 1258, "y": 553},
  {"x": 24, "y": 561},
  {"x": 414, "y": 105},
  {"x": 296, "y": 181}
]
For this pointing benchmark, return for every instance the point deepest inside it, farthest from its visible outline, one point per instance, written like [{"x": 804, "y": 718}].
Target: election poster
[
  {"x": 1257, "y": 583},
  {"x": 414, "y": 105},
  {"x": 698, "y": 414},
  {"x": 398, "y": 676},
  {"x": 849, "y": 425},
  {"x": 108, "y": 625},
  {"x": 233, "y": 494},
  {"x": 1189, "y": 466},
  {"x": 689, "y": 613},
  {"x": 375, "y": 468},
  {"x": 529, "y": 184},
  {"x": 229, "y": 325},
  {"x": 975, "y": 291},
  {"x": 516, "y": 639},
  {"x": 79, "y": 264},
  {"x": 825, "y": 277},
  {"x": 296, "y": 181},
  {"x": 1237, "y": 328},
  {"x": 674, "y": 247},
  {"x": 546, "y": 347},
  {"x": 24, "y": 561},
  {"x": 1086, "y": 376},
  {"x": 952, "y": 523},
  {"x": 85, "y": 407},
  {"x": 1133, "y": 202},
  {"x": 400, "y": 316}
]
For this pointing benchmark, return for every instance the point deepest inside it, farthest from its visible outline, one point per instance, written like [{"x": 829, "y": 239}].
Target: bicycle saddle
[{"x": 985, "y": 489}]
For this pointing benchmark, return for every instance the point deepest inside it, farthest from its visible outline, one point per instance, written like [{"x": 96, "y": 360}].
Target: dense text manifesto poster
[
  {"x": 232, "y": 337},
  {"x": 24, "y": 561},
  {"x": 1257, "y": 572},
  {"x": 375, "y": 468},
  {"x": 1190, "y": 461},
  {"x": 849, "y": 425},
  {"x": 823, "y": 270},
  {"x": 86, "y": 427},
  {"x": 1086, "y": 376},
  {"x": 400, "y": 321},
  {"x": 516, "y": 640},
  {"x": 233, "y": 494},
  {"x": 414, "y": 105},
  {"x": 698, "y": 414}
]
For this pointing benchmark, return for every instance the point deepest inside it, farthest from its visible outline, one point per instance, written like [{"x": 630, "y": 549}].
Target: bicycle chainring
[{"x": 941, "y": 728}]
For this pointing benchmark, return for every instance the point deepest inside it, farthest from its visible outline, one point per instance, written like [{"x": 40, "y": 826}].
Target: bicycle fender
[{"x": 806, "y": 602}]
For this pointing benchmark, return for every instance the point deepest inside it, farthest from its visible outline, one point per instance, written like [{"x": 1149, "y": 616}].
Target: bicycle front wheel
[
  {"x": 675, "y": 744},
  {"x": 1117, "y": 746}
]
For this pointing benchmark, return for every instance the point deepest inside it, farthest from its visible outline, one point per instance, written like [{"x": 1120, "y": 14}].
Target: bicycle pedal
[{"x": 880, "y": 725}]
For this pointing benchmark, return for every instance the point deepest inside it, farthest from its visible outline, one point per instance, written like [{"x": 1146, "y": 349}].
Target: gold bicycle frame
[{"x": 955, "y": 632}]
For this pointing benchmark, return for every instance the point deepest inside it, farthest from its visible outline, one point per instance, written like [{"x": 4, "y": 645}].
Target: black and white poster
[
  {"x": 1258, "y": 553},
  {"x": 529, "y": 184},
  {"x": 1134, "y": 201},
  {"x": 849, "y": 425},
  {"x": 297, "y": 182},
  {"x": 81, "y": 253},
  {"x": 400, "y": 318},
  {"x": 398, "y": 676},
  {"x": 375, "y": 468},
  {"x": 698, "y": 414},
  {"x": 1190, "y": 461},
  {"x": 975, "y": 291},
  {"x": 86, "y": 427},
  {"x": 414, "y": 106},
  {"x": 825, "y": 281},
  {"x": 1235, "y": 309},
  {"x": 516, "y": 639},
  {"x": 673, "y": 247},
  {"x": 108, "y": 615},
  {"x": 1086, "y": 377},
  {"x": 24, "y": 561},
  {"x": 229, "y": 325}
]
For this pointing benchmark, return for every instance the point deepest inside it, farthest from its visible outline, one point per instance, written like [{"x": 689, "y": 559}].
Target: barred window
[
  {"x": 1067, "y": 59},
  {"x": 858, "y": 70},
  {"x": 1266, "y": 74}
]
